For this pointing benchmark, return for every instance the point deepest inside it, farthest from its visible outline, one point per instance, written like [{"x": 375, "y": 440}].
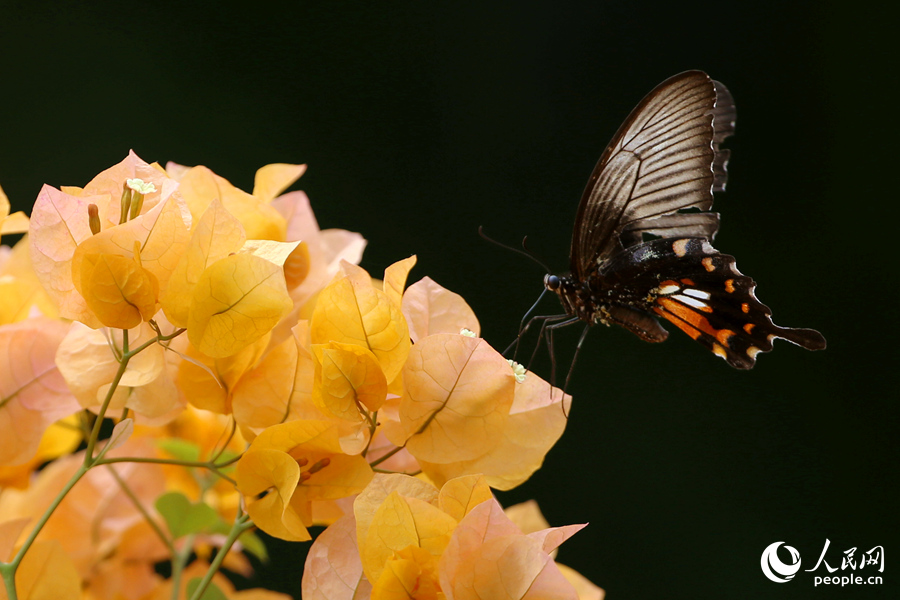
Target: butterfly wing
[
  {"x": 665, "y": 158},
  {"x": 700, "y": 291}
]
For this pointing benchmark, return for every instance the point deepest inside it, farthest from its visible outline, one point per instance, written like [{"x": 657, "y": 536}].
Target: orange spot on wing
[
  {"x": 708, "y": 264},
  {"x": 745, "y": 307},
  {"x": 680, "y": 247},
  {"x": 729, "y": 286},
  {"x": 669, "y": 282},
  {"x": 684, "y": 318},
  {"x": 723, "y": 335},
  {"x": 749, "y": 327},
  {"x": 719, "y": 351},
  {"x": 687, "y": 281}
]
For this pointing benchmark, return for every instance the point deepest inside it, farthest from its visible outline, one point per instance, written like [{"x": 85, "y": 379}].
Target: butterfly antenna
[{"x": 525, "y": 252}]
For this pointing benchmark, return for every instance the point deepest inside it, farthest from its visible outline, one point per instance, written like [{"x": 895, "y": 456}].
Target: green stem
[
  {"x": 378, "y": 461},
  {"x": 241, "y": 524},
  {"x": 140, "y": 507},
  {"x": 46, "y": 516},
  {"x": 169, "y": 461},
  {"x": 179, "y": 561},
  {"x": 95, "y": 432},
  {"x": 9, "y": 580}
]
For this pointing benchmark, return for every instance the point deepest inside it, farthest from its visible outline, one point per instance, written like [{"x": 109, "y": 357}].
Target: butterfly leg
[
  {"x": 548, "y": 321},
  {"x": 524, "y": 329},
  {"x": 551, "y": 329}
]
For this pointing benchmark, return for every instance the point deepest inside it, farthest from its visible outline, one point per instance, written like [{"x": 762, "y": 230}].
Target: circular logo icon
[{"x": 776, "y": 570}]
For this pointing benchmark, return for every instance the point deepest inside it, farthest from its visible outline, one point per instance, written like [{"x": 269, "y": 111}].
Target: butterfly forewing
[{"x": 665, "y": 158}]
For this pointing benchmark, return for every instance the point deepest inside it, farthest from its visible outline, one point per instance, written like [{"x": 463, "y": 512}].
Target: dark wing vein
[{"x": 665, "y": 158}]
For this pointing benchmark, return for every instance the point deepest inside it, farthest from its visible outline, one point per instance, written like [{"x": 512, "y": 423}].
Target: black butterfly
[{"x": 656, "y": 179}]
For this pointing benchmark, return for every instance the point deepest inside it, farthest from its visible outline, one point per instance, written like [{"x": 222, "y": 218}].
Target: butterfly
[{"x": 641, "y": 245}]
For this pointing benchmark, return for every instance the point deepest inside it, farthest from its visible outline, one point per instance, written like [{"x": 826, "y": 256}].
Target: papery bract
[
  {"x": 209, "y": 382},
  {"x": 489, "y": 557},
  {"x": 59, "y": 222},
  {"x": 536, "y": 421},
  {"x": 94, "y": 515},
  {"x": 290, "y": 465},
  {"x": 32, "y": 580},
  {"x": 58, "y": 439},
  {"x": 236, "y": 301},
  {"x": 382, "y": 486},
  {"x": 33, "y": 394},
  {"x": 351, "y": 311},
  {"x": 326, "y": 248},
  {"x": 458, "y": 394},
  {"x": 118, "y": 290},
  {"x": 215, "y": 235},
  {"x": 395, "y": 278},
  {"x": 459, "y": 496},
  {"x": 200, "y": 186},
  {"x": 273, "y": 179},
  {"x": 333, "y": 570},
  {"x": 348, "y": 380},
  {"x": 409, "y": 573},
  {"x": 88, "y": 364},
  {"x": 279, "y": 388},
  {"x": 11, "y": 223},
  {"x": 162, "y": 235},
  {"x": 401, "y": 522},
  {"x": 20, "y": 289},
  {"x": 109, "y": 182},
  {"x": 430, "y": 308}
]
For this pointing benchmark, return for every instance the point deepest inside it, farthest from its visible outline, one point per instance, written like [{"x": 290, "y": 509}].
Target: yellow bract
[
  {"x": 536, "y": 421},
  {"x": 395, "y": 278},
  {"x": 118, "y": 290},
  {"x": 351, "y": 311},
  {"x": 458, "y": 394},
  {"x": 200, "y": 186},
  {"x": 273, "y": 179},
  {"x": 159, "y": 237},
  {"x": 348, "y": 380},
  {"x": 46, "y": 573},
  {"x": 20, "y": 288},
  {"x": 430, "y": 308},
  {"x": 11, "y": 223},
  {"x": 235, "y": 302},
  {"x": 215, "y": 235},
  {"x": 291, "y": 465},
  {"x": 409, "y": 573},
  {"x": 401, "y": 522}
]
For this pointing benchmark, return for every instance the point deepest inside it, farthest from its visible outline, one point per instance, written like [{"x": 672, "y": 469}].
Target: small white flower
[
  {"x": 467, "y": 332},
  {"x": 518, "y": 370},
  {"x": 139, "y": 186}
]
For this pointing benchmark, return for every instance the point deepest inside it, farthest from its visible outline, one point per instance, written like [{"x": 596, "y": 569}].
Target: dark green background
[{"x": 421, "y": 121}]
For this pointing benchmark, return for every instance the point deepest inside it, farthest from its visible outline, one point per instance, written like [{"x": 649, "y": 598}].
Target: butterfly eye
[{"x": 551, "y": 282}]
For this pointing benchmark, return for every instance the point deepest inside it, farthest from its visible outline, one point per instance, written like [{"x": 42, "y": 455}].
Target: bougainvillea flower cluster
[{"x": 183, "y": 362}]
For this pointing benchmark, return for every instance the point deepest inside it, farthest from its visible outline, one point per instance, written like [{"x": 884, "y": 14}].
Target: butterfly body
[{"x": 656, "y": 180}]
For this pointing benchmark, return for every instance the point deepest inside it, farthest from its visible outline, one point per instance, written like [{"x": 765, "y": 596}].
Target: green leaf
[
  {"x": 180, "y": 449},
  {"x": 212, "y": 591},
  {"x": 184, "y": 518},
  {"x": 253, "y": 544}
]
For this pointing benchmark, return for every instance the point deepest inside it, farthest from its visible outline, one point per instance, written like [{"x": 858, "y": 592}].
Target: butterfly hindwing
[{"x": 700, "y": 291}]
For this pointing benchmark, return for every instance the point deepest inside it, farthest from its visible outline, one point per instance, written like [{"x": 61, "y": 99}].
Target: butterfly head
[{"x": 551, "y": 282}]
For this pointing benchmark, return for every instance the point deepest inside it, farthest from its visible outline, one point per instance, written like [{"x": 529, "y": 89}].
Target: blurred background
[{"x": 421, "y": 121}]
